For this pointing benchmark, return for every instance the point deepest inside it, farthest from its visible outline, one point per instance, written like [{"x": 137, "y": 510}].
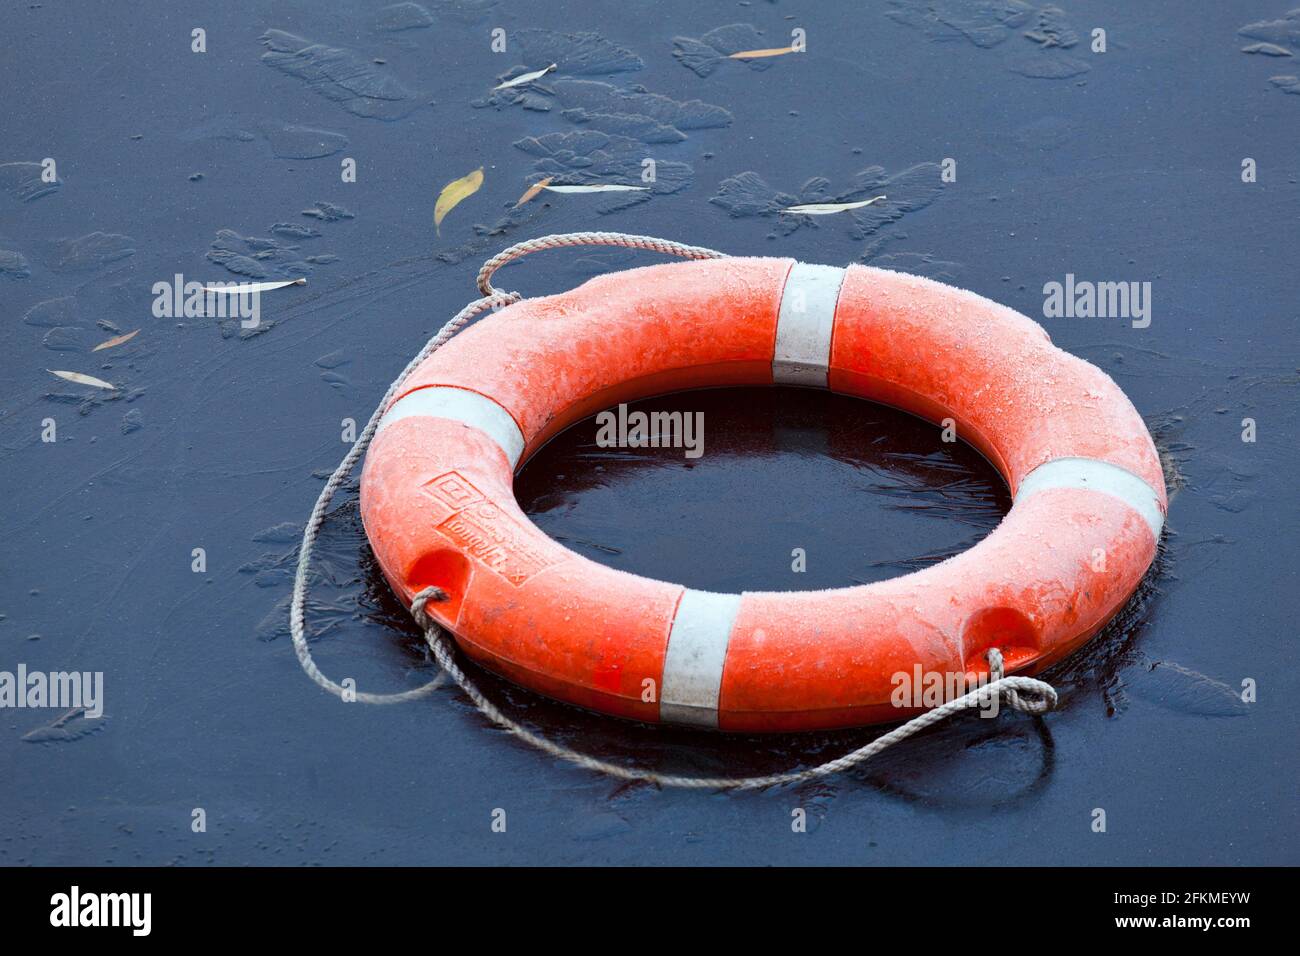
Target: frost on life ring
[{"x": 439, "y": 510}]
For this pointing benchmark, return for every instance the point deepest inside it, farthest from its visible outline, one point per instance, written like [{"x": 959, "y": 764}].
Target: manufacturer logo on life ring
[{"x": 484, "y": 532}]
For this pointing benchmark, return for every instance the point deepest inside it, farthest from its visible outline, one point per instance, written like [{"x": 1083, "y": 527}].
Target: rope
[
  {"x": 565, "y": 240},
  {"x": 1039, "y": 697},
  {"x": 1042, "y": 699}
]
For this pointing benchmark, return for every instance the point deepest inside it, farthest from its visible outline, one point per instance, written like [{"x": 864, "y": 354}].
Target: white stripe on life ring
[
  {"x": 1100, "y": 476},
  {"x": 805, "y": 324},
  {"x": 460, "y": 405},
  {"x": 697, "y": 650}
]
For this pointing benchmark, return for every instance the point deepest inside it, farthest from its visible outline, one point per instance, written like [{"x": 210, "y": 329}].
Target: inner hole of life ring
[{"x": 761, "y": 488}]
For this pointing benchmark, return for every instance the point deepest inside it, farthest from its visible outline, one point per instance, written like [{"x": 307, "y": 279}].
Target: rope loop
[
  {"x": 420, "y": 600},
  {"x": 570, "y": 239},
  {"x": 1040, "y": 697},
  {"x": 1024, "y": 694}
]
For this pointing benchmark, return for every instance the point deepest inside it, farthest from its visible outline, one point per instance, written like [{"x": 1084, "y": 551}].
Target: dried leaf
[
  {"x": 83, "y": 379},
  {"x": 116, "y": 340},
  {"x": 595, "y": 188},
  {"x": 69, "y": 725},
  {"x": 755, "y": 54},
  {"x": 244, "y": 288},
  {"x": 826, "y": 208},
  {"x": 533, "y": 190},
  {"x": 1187, "y": 691},
  {"x": 524, "y": 78},
  {"x": 453, "y": 193}
]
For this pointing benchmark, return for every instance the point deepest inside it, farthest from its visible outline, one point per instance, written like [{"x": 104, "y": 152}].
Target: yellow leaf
[
  {"x": 116, "y": 340},
  {"x": 755, "y": 54},
  {"x": 533, "y": 190},
  {"x": 83, "y": 379},
  {"x": 453, "y": 193}
]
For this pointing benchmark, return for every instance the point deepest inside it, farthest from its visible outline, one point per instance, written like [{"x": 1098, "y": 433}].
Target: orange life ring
[{"x": 439, "y": 510}]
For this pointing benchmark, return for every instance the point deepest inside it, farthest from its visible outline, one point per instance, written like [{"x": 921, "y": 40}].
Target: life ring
[{"x": 439, "y": 510}]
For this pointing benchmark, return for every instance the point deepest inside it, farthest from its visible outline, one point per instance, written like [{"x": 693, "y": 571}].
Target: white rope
[
  {"x": 567, "y": 239},
  {"x": 1039, "y": 697},
  {"x": 1042, "y": 698}
]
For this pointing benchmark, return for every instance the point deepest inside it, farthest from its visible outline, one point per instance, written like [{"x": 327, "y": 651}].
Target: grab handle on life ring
[{"x": 1005, "y": 629}]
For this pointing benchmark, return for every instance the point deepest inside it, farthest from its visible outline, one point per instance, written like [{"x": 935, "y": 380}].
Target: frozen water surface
[{"x": 1122, "y": 166}]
